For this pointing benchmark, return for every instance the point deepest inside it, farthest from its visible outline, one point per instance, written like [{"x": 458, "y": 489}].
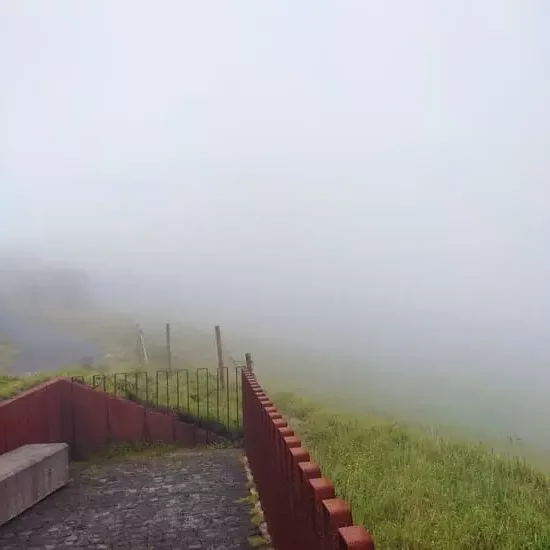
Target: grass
[
  {"x": 11, "y": 385},
  {"x": 116, "y": 336},
  {"x": 195, "y": 391},
  {"x": 196, "y": 394},
  {"x": 130, "y": 451},
  {"x": 418, "y": 491},
  {"x": 414, "y": 489}
]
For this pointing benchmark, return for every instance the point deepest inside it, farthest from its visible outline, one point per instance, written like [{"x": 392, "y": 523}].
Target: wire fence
[{"x": 197, "y": 395}]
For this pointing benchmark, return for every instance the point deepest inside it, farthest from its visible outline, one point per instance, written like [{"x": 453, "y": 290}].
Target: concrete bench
[{"x": 29, "y": 474}]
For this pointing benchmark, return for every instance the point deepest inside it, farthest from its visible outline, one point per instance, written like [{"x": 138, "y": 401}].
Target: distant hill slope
[
  {"x": 8, "y": 353},
  {"x": 32, "y": 345},
  {"x": 33, "y": 284}
]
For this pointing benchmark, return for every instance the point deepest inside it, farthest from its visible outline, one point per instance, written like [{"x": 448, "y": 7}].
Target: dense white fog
[{"x": 365, "y": 180}]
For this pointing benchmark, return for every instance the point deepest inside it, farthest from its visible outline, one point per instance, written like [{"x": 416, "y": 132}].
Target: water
[{"x": 42, "y": 346}]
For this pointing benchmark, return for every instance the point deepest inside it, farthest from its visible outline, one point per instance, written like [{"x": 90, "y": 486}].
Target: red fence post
[
  {"x": 300, "y": 506},
  {"x": 354, "y": 537}
]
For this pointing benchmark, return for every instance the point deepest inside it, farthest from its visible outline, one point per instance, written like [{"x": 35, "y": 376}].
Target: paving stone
[{"x": 185, "y": 500}]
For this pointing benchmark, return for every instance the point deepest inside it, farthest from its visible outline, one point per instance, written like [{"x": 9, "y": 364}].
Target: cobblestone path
[{"x": 185, "y": 500}]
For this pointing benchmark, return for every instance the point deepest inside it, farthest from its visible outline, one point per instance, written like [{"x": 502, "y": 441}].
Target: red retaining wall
[
  {"x": 63, "y": 411},
  {"x": 299, "y": 504}
]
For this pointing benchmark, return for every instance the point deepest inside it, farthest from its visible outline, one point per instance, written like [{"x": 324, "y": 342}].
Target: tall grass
[
  {"x": 11, "y": 385},
  {"x": 418, "y": 491}
]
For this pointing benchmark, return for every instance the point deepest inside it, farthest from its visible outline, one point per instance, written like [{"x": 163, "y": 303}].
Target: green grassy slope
[
  {"x": 12, "y": 385},
  {"x": 421, "y": 491},
  {"x": 197, "y": 391},
  {"x": 116, "y": 336}
]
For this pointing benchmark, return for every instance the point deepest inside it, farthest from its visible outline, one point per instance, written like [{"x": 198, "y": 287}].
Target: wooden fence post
[
  {"x": 168, "y": 347},
  {"x": 221, "y": 376},
  {"x": 249, "y": 362}
]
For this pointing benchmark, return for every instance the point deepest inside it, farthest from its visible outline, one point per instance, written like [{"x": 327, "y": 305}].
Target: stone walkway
[{"x": 190, "y": 499}]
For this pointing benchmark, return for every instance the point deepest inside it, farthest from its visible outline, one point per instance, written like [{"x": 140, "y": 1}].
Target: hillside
[
  {"x": 413, "y": 487},
  {"x": 420, "y": 491}
]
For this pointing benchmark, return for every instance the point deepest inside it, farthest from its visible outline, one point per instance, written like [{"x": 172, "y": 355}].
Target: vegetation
[
  {"x": 12, "y": 385},
  {"x": 414, "y": 489},
  {"x": 131, "y": 451},
  {"x": 116, "y": 336},
  {"x": 195, "y": 390},
  {"x": 420, "y": 491},
  {"x": 196, "y": 394}
]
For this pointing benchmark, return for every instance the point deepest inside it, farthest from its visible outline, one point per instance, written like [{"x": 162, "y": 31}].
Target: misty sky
[{"x": 354, "y": 157}]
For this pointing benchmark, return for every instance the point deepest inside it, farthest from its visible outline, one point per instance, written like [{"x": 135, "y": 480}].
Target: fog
[{"x": 366, "y": 180}]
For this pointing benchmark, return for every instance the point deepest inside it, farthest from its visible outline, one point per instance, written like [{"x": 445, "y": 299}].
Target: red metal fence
[
  {"x": 61, "y": 410},
  {"x": 35, "y": 416},
  {"x": 300, "y": 507}
]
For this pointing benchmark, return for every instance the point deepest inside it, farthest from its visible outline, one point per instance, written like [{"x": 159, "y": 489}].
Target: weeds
[
  {"x": 13, "y": 385},
  {"x": 125, "y": 451}
]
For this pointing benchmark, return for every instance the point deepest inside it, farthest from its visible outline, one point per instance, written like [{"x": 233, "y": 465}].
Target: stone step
[{"x": 29, "y": 474}]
